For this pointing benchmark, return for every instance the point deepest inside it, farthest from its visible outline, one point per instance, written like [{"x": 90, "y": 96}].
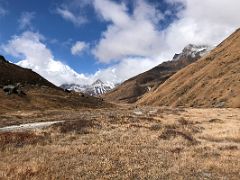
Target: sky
[{"x": 80, "y": 41}]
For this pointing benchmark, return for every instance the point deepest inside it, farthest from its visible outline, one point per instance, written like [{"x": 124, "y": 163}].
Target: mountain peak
[
  {"x": 95, "y": 89},
  {"x": 2, "y": 59},
  {"x": 98, "y": 82},
  {"x": 192, "y": 51},
  {"x": 213, "y": 81}
]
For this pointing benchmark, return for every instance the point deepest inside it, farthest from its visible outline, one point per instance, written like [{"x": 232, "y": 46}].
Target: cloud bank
[
  {"x": 36, "y": 56},
  {"x": 133, "y": 40},
  {"x": 202, "y": 22},
  {"x": 138, "y": 34},
  {"x": 133, "y": 34}
]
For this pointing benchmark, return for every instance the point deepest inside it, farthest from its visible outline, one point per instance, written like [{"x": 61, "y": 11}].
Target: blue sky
[
  {"x": 79, "y": 41},
  {"x": 61, "y": 34}
]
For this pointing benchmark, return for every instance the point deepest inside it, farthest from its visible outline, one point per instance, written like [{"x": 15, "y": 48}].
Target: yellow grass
[{"x": 161, "y": 143}]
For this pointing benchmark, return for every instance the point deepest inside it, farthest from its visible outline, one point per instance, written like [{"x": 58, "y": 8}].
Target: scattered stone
[
  {"x": 215, "y": 120},
  {"x": 67, "y": 91},
  {"x": 220, "y": 105},
  {"x": 138, "y": 112},
  {"x": 13, "y": 89}
]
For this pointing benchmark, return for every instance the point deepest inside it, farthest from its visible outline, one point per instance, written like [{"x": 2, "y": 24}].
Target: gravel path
[{"x": 29, "y": 126}]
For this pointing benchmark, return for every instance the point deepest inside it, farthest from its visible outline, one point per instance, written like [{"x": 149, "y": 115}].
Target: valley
[{"x": 178, "y": 120}]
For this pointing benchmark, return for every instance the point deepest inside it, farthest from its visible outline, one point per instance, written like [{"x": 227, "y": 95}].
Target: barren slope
[
  {"x": 11, "y": 74},
  {"x": 40, "y": 93},
  {"x": 133, "y": 89},
  {"x": 212, "y": 81}
]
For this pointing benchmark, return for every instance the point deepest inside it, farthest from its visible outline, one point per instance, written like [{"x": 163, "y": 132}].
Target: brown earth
[
  {"x": 41, "y": 98},
  {"x": 124, "y": 143},
  {"x": 134, "y": 88},
  {"x": 212, "y": 81}
]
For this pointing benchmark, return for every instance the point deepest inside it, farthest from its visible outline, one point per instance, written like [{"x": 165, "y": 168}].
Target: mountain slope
[
  {"x": 212, "y": 81},
  {"x": 98, "y": 88},
  {"x": 131, "y": 90},
  {"x": 40, "y": 94},
  {"x": 12, "y": 74}
]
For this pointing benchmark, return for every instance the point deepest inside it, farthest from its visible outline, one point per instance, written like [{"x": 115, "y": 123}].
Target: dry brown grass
[
  {"x": 19, "y": 139},
  {"x": 46, "y": 98},
  {"x": 161, "y": 143},
  {"x": 212, "y": 81}
]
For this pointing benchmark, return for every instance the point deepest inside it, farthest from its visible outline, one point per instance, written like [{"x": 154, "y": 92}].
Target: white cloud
[
  {"x": 134, "y": 40},
  {"x": 36, "y": 56},
  {"x": 137, "y": 34},
  {"x": 202, "y": 22},
  {"x": 25, "y": 20},
  {"x": 66, "y": 14},
  {"x": 78, "y": 47},
  {"x": 125, "y": 69},
  {"x": 133, "y": 34},
  {"x": 74, "y": 11},
  {"x": 2, "y": 11}
]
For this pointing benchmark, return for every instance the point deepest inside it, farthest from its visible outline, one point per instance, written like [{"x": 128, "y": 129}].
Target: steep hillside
[
  {"x": 131, "y": 90},
  {"x": 46, "y": 98},
  {"x": 11, "y": 74},
  {"x": 40, "y": 94},
  {"x": 212, "y": 81}
]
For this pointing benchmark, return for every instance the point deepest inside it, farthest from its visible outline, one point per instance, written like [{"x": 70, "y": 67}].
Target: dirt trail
[{"x": 28, "y": 126}]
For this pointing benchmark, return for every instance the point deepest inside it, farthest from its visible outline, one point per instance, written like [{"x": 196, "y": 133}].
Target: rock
[
  {"x": 13, "y": 89},
  {"x": 220, "y": 105}
]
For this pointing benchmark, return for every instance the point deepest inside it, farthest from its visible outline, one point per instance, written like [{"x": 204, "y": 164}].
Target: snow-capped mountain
[
  {"x": 98, "y": 88},
  {"x": 136, "y": 87},
  {"x": 192, "y": 51},
  {"x": 95, "y": 89},
  {"x": 74, "y": 87}
]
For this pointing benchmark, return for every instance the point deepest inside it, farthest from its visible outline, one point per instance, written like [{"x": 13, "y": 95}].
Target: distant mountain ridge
[
  {"x": 97, "y": 88},
  {"x": 134, "y": 88}
]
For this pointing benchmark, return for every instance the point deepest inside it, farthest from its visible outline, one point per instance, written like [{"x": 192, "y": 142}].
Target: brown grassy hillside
[
  {"x": 40, "y": 93},
  {"x": 43, "y": 98},
  {"x": 11, "y": 74},
  {"x": 133, "y": 89},
  {"x": 212, "y": 81}
]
